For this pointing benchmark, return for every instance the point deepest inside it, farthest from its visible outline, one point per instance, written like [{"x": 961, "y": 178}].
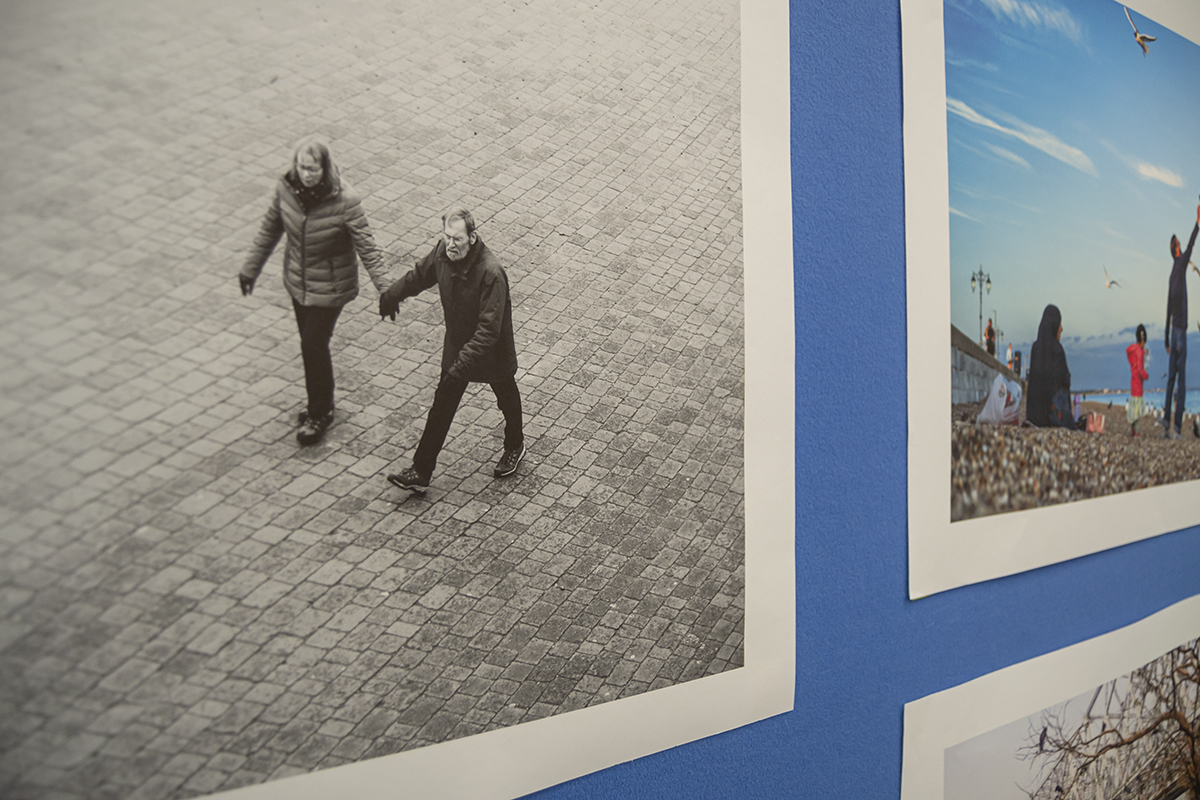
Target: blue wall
[{"x": 862, "y": 648}]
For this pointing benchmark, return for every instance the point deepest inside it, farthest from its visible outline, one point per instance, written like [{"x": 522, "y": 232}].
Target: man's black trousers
[{"x": 445, "y": 405}]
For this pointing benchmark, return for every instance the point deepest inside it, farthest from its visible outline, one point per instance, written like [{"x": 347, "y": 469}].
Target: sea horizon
[{"x": 1121, "y": 397}]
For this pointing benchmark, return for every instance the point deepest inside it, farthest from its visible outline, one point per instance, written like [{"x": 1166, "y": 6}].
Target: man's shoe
[
  {"x": 313, "y": 430},
  {"x": 1173, "y": 434},
  {"x": 410, "y": 479},
  {"x": 508, "y": 462}
]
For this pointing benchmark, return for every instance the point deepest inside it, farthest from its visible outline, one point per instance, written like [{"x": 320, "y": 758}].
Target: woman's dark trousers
[
  {"x": 445, "y": 405},
  {"x": 316, "y": 328}
]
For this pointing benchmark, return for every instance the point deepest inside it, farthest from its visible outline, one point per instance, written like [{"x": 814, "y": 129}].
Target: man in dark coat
[
  {"x": 478, "y": 345},
  {"x": 1176, "y": 330}
]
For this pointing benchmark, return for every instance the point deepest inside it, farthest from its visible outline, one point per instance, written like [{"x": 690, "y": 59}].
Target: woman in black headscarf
[{"x": 1048, "y": 397}]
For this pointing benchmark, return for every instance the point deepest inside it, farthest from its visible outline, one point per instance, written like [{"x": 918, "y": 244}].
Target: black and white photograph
[
  {"x": 374, "y": 377},
  {"x": 1114, "y": 717}
]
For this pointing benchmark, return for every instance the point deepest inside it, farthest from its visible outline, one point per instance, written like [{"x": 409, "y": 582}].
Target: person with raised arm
[{"x": 1176, "y": 331}]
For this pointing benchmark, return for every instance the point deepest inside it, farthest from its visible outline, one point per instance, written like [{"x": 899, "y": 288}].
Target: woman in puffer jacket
[{"x": 327, "y": 233}]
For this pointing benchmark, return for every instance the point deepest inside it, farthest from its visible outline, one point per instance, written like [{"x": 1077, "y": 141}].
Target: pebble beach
[{"x": 1008, "y": 468}]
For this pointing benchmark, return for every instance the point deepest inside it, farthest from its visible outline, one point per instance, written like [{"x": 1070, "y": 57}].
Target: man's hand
[{"x": 247, "y": 285}]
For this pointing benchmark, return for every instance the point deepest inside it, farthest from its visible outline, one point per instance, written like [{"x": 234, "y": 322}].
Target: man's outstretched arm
[
  {"x": 422, "y": 276},
  {"x": 1187, "y": 255}
]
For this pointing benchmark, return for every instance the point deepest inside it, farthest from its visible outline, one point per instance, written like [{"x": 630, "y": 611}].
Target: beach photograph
[
  {"x": 1132, "y": 737},
  {"x": 1074, "y": 195}
]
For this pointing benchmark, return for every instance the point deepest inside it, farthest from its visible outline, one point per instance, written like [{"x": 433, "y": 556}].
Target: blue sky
[{"x": 1070, "y": 153}]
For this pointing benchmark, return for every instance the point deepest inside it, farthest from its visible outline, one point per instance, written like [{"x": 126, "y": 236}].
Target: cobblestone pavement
[{"x": 191, "y": 602}]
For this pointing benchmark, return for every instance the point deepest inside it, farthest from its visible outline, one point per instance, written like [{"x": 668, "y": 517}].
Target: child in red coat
[{"x": 1136, "y": 408}]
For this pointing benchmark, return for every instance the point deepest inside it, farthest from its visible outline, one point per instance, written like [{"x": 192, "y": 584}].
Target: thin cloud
[
  {"x": 1125, "y": 251},
  {"x": 1145, "y": 170},
  {"x": 1153, "y": 173},
  {"x": 1037, "y": 15},
  {"x": 992, "y": 86},
  {"x": 1111, "y": 232},
  {"x": 956, "y": 212},
  {"x": 1031, "y": 135},
  {"x": 1008, "y": 155},
  {"x": 970, "y": 63},
  {"x": 975, "y": 194}
]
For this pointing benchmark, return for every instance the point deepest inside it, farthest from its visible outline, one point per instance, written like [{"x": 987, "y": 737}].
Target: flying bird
[
  {"x": 1141, "y": 38},
  {"x": 1108, "y": 282}
]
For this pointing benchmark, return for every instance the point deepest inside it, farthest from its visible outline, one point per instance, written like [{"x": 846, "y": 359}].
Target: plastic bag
[
  {"x": 1003, "y": 406},
  {"x": 1012, "y": 408}
]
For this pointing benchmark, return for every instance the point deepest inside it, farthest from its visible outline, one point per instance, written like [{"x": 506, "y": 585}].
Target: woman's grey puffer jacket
[{"x": 320, "y": 267}]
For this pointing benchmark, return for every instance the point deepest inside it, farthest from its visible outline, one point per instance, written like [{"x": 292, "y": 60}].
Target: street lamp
[{"x": 981, "y": 279}]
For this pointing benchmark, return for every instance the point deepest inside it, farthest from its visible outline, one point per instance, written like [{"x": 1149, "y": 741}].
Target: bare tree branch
[{"x": 1144, "y": 739}]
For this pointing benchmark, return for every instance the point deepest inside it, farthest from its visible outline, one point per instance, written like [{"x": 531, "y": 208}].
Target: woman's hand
[{"x": 388, "y": 305}]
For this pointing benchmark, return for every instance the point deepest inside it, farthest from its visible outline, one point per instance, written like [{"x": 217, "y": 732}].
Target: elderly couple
[{"x": 327, "y": 233}]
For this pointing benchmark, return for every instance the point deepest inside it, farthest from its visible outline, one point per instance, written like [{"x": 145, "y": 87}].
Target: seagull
[
  {"x": 1140, "y": 37},
  {"x": 1108, "y": 282}
]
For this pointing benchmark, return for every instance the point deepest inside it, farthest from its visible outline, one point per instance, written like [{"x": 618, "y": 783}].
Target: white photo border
[
  {"x": 944, "y": 555},
  {"x": 534, "y": 755},
  {"x": 943, "y": 720}
]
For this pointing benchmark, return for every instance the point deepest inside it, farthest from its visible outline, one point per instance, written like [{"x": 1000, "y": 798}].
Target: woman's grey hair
[
  {"x": 459, "y": 213},
  {"x": 316, "y": 148}
]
